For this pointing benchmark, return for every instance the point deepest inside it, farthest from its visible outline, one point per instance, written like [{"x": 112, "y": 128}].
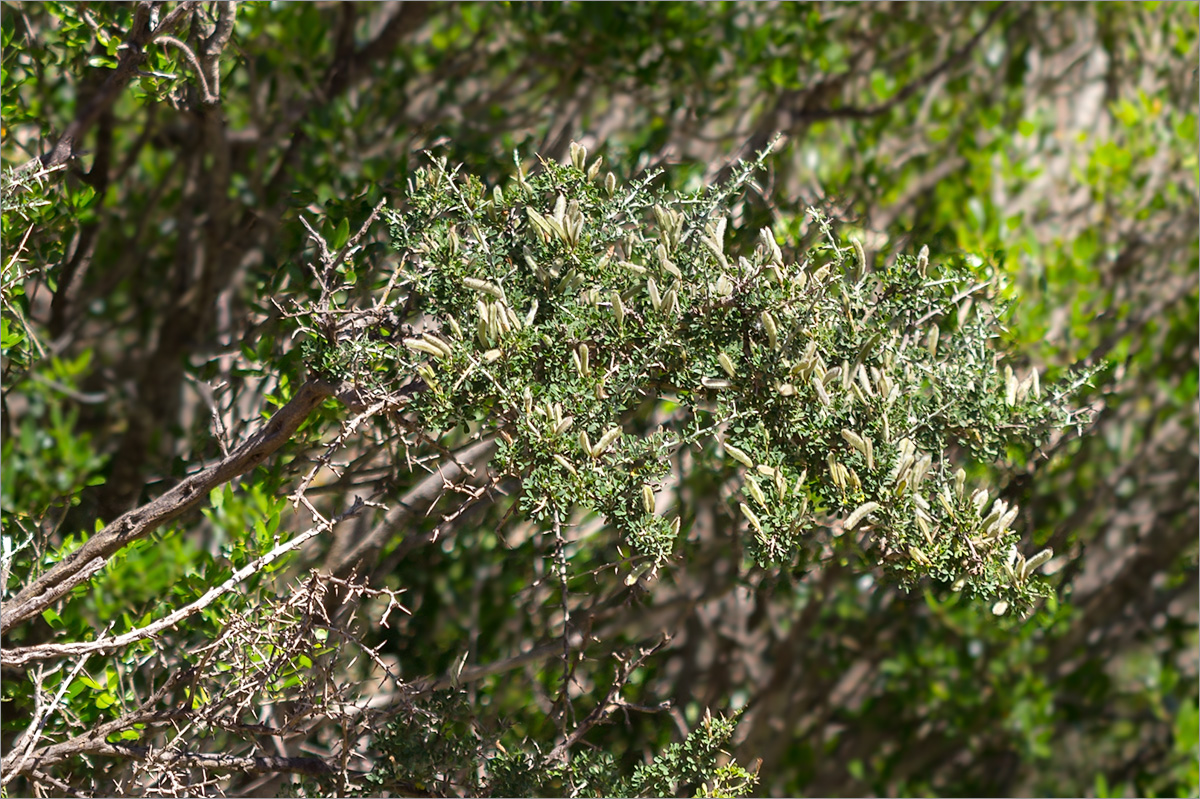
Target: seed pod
[
  {"x": 846, "y": 375},
  {"x": 960, "y": 480},
  {"x": 584, "y": 443},
  {"x": 1010, "y": 387},
  {"x": 765, "y": 470},
  {"x": 669, "y": 302},
  {"x": 923, "y": 526},
  {"x": 774, "y": 254},
  {"x": 820, "y": 274},
  {"x": 964, "y": 312},
  {"x": 923, "y": 260},
  {"x": 780, "y": 484},
  {"x": 606, "y": 441},
  {"x": 931, "y": 341},
  {"x": 497, "y": 196},
  {"x": 979, "y": 499},
  {"x": 484, "y": 286},
  {"x": 610, "y": 184},
  {"x": 919, "y": 556},
  {"x": 864, "y": 381},
  {"x": 1035, "y": 387},
  {"x": 822, "y": 394},
  {"x": 749, "y": 514},
  {"x": 723, "y": 287},
  {"x": 854, "y": 440},
  {"x": 944, "y": 498},
  {"x": 726, "y": 364},
  {"x": 786, "y": 389},
  {"x": 527, "y": 396},
  {"x": 564, "y": 425},
  {"x": 632, "y": 267},
  {"x": 455, "y": 330},
  {"x": 439, "y": 343},
  {"x": 655, "y": 298},
  {"x": 421, "y": 345},
  {"x": 594, "y": 169},
  {"x": 578, "y": 155},
  {"x": 886, "y": 429},
  {"x": 532, "y": 315},
  {"x": 738, "y": 455},
  {"x": 566, "y": 464},
  {"x": 491, "y": 356},
  {"x": 1037, "y": 560},
  {"x": 756, "y": 492},
  {"x": 859, "y": 514},
  {"x": 618, "y": 308},
  {"x": 870, "y": 453},
  {"x": 768, "y": 323},
  {"x": 714, "y": 382},
  {"x": 648, "y": 498},
  {"x": 584, "y": 368},
  {"x": 801, "y": 281}
]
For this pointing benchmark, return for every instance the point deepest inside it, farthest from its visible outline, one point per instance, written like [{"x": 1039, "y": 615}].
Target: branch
[
  {"x": 22, "y": 656},
  {"x": 131, "y": 58},
  {"x": 139, "y": 522}
]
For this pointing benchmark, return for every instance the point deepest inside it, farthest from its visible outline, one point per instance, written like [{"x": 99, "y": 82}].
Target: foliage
[{"x": 185, "y": 262}]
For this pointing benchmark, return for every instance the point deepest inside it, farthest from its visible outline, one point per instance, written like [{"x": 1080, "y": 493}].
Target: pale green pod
[
  {"x": 655, "y": 297},
  {"x": 739, "y": 456},
  {"x": 756, "y": 493},
  {"x": 726, "y": 364},
  {"x": 768, "y": 323},
  {"x": 606, "y": 441},
  {"x": 566, "y": 464},
  {"x": 648, "y": 501},
  {"x": 923, "y": 260},
  {"x": 610, "y": 184},
  {"x": 1010, "y": 387},
  {"x": 860, "y": 513},
  {"x": 564, "y": 425},
  {"x": 484, "y": 286},
  {"x": 420, "y": 345},
  {"x": 618, "y": 308},
  {"x": 750, "y": 517}
]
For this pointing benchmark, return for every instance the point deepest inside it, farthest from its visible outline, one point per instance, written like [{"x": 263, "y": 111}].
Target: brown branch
[
  {"x": 132, "y": 57},
  {"x": 139, "y": 522}
]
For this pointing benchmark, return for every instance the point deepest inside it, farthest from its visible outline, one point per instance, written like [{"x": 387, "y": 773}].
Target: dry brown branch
[{"x": 190, "y": 492}]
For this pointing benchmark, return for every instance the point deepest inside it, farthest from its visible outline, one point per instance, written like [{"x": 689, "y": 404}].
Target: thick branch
[{"x": 139, "y": 522}]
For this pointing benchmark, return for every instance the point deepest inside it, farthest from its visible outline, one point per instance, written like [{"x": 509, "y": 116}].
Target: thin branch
[{"x": 139, "y": 522}]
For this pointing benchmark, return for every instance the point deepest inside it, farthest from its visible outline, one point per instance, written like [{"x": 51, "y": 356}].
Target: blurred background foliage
[{"x": 1053, "y": 143}]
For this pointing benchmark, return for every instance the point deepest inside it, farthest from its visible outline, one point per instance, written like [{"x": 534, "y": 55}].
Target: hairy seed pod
[
  {"x": 439, "y": 343},
  {"x": 584, "y": 443},
  {"x": 610, "y": 184},
  {"x": 420, "y": 345},
  {"x": 738, "y": 455},
  {"x": 584, "y": 368},
  {"x": 1035, "y": 388},
  {"x": 594, "y": 169},
  {"x": 726, "y": 364},
  {"x": 765, "y": 470},
  {"x": 1010, "y": 387},
  {"x": 919, "y": 556},
  {"x": 822, "y": 394},
  {"x": 756, "y": 493},
  {"x": 923, "y": 260},
  {"x": 564, "y": 425},
  {"x": 491, "y": 356},
  {"x": 578, "y": 155},
  {"x": 618, "y": 308},
  {"x": 947, "y": 506},
  {"x": 531, "y": 316},
  {"x": 655, "y": 298},
  {"x": 786, "y": 389},
  {"x": 669, "y": 302},
  {"x": 1037, "y": 560},
  {"x": 455, "y": 330},
  {"x": 768, "y": 323},
  {"x": 870, "y": 453},
  {"x": 960, "y": 481},
  {"x": 780, "y": 484},
  {"x": 931, "y": 341},
  {"x": 566, "y": 464},
  {"x": 923, "y": 526},
  {"x": 750, "y": 517},
  {"x": 648, "y": 498},
  {"x": 855, "y": 440},
  {"x": 714, "y": 383},
  {"x": 632, "y": 267},
  {"x": 859, "y": 514},
  {"x": 886, "y": 429},
  {"x": 484, "y": 286},
  {"x": 606, "y": 441},
  {"x": 979, "y": 498}
]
